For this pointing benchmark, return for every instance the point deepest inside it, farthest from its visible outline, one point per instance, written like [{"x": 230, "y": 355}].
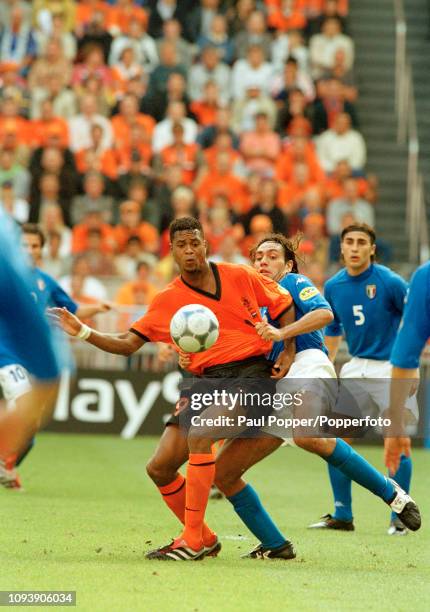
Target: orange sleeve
[
  {"x": 268, "y": 293},
  {"x": 154, "y": 326}
]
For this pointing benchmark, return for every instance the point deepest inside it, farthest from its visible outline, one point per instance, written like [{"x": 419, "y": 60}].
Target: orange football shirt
[{"x": 240, "y": 293}]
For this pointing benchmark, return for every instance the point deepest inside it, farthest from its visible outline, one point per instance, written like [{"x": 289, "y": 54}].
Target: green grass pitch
[{"x": 89, "y": 512}]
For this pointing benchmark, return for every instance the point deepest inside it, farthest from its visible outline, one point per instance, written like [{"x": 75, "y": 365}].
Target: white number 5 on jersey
[{"x": 357, "y": 311}]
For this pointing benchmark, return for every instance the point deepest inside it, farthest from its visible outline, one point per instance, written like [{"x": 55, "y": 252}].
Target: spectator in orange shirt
[
  {"x": 131, "y": 224},
  {"x": 48, "y": 125},
  {"x": 223, "y": 181},
  {"x": 219, "y": 224},
  {"x": 291, "y": 195},
  {"x": 299, "y": 149},
  {"x": 85, "y": 9},
  {"x": 335, "y": 184},
  {"x": 93, "y": 219},
  {"x": 285, "y": 15},
  {"x": 134, "y": 160},
  {"x": 205, "y": 110},
  {"x": 96, "y": 157},
  {"x": 10, "y": 117},
  {"x": 261, "y": 147},
  {"x": 142, "y": 283},
  {"x": 223, "y": 144},
  {"x": 122, "y": 14},
  {"x": 181, "y": 154},
  {"x": 260, "y": 226},
  {"x": 127, "y": 117},
  {"x": 99, "y": 262}
]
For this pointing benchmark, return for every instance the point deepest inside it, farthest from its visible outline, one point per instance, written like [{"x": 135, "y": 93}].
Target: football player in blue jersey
[
  {"x": 414, "y": 331},
  {"x": 367, "y": 300},
  {"x": 46, "y": 293},
  {"x": 274, "y": 257},
  {"x": 25, "y": 339}
]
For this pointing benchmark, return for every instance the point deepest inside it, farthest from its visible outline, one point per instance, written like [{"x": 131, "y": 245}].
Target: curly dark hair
[
  {"x": 183, "y": 224},
  {"x": 290, "y": 247}
]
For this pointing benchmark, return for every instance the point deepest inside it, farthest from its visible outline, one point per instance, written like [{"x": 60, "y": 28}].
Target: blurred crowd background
[{"x": 118, "y": 117}]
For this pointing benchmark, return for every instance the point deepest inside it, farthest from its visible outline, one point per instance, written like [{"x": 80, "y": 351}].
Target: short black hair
[
  {"x": 35, "y": 230},
  {"x": 359, "y": 227},
  {"x": 289, "y": 246},
  {"x": 184, "y": 224}
]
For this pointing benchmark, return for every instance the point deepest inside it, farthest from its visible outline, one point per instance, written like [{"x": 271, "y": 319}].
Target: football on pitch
[{"x": 194, "y": 328}]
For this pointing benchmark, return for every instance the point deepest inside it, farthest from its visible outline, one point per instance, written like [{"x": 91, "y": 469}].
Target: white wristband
[{"x": 84, "y": 332}]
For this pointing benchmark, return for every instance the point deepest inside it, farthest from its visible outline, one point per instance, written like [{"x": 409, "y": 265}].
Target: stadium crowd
[{"x": 118, "y": 117}]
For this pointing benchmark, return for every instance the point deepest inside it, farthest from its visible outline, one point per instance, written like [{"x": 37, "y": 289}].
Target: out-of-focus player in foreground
[
  {"x": 235, "y": 294},
  {"x": 25, "y": 334},
  {"x": 367, "y": 301},
  {"x": 15, "y": 380},
  {"x": 413, "y": 333}
]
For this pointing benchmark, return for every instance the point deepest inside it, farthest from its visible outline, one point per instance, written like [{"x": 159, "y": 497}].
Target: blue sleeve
[
  {"x": 399, "y": 289},
  {"x": 305, "y": 294},
  {"x": 25, "y": 323},
  {"x": 335, "y": 328},
  {"x": 60, "y": 298},
  {"x": 414, "y": 329}
]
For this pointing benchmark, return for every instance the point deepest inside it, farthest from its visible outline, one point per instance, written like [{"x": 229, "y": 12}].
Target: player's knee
[
  {"x": 226, "y": 477},
  {"x": 160, "y": 472},
  {"x": 312, "y": 445}
]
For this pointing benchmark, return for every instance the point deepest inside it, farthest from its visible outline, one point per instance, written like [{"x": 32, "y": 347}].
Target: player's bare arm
[
  {"x": 403, "y": 384},
  {"x": 89, "y": 310},
  {"x": 286, "y": 358},
  {"x": 317, "y": 319},
  {"x": 125, "y": 343},
  {"x": 332, "y": 343}
]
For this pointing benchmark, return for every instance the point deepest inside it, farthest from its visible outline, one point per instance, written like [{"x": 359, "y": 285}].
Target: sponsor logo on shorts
[
  {"x": 307, "y": 293},
  {"x": 371, "y": 291}
]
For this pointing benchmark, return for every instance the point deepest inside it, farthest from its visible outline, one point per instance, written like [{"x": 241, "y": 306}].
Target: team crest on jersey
[
  {"x": 370, "y": 291},
  {"x": 307, "y": 293},
  {"x": 41, "y": 284}
]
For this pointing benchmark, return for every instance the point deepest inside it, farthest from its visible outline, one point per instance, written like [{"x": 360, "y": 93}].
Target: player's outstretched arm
[
  {"x": 119, "y": 344},
  {"x": 88, "y": 310}
]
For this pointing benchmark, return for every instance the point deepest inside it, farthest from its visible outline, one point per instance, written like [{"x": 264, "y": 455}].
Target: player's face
[
  {"x": 189, "y": 251},
  {"x": 32, "y": 244},
  {"x": 357, "y": 251},
  {"x": 269, "y": 261}
]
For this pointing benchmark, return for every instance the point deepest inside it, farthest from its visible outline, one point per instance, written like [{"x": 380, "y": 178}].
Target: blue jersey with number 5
[{"x": 367, "y": 309}]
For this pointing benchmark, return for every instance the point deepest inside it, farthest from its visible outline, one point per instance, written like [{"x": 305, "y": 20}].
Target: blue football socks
[
  {"x": 341, "y": 486},
  {"x": 403, "y": 476},
  {"x": 248, "y": 506},
  {"x": 355, "y": 467}
]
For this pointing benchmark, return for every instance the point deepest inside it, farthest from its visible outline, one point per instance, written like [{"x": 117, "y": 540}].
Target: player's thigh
[
  {"x": 238, "y": 455},
  {"x": 170, "y": 454},
  {"x": 15, "y": 382}
]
